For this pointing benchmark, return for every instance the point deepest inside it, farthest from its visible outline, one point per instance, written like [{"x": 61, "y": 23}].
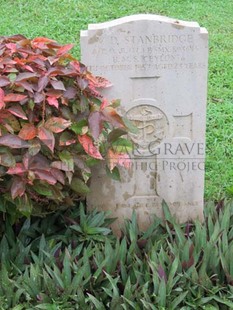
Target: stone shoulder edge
[{"x": 150, "y": 17}]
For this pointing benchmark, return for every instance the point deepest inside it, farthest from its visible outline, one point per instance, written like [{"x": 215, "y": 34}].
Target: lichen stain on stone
[
  {"x": 96, "y": 37},
  {"x": 110, "y": 188},
  {"x": 152, "y": 184},
  {"x": 177, "y": 25},
  {"x": 126, "y": 196},
  {"x": 153, "y": 181},
  {"x": 144, "y": 167},
  {"x": 128, "y": 175}
]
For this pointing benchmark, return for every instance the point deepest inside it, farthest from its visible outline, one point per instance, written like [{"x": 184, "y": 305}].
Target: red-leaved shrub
[{"x": 54, "y": 124}]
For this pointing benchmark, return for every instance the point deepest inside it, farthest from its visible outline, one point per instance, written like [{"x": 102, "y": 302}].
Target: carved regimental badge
[{"x": 152, "y": 126}]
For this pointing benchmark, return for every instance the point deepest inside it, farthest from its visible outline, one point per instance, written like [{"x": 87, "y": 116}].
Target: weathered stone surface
[{"x": 158, "y": 67}]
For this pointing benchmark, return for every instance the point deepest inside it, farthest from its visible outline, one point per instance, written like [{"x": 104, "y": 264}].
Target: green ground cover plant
[
  {"x": 72, "y": 261},
  {"x": 62, "y": 20}
]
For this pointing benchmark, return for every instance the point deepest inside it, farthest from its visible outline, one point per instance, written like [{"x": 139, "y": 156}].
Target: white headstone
[{"x": 158, "y": 67}]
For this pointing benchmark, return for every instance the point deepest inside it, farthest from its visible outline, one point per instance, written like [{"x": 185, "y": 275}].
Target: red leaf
[
  {"x": 70, "y": 92},
  {"x": 41, "y": 42},
  {"x": 13, "y": 142},
  {"x": 24, "y": 41},
  {"x": 95, "y": 124},
  {"x": 101, "y": 82},
  {"x": 162, "y": 273},
  {"x": 57, "y": 85},
  {"x": 89, "y": 147},
  {"x": 53, "y": 101},
  {"x": 42, "y": 83},
  {"x": 14, "y": 97},
  {"x": 17, "y": 169},
  {"x": 38, "y": 97},
  {"x": 26, "y": 160},
  {"x": 17, "y": 188},
  {"x": 57, "y": 174},
  {"x": 4, "y": 81},
  {"x": 82, "y": 83},
  {"x": 57, "y": 124},
  {"x": 29, "y": 68},
  {"x": 93, "y": 91},
  {"x": 28, "y": 132},
  {"x": 76, "y": 65},
  {"x": 111, "y": 115},
  {"x": 54, "y": 93},
  {"x": 55, "y": 71},
  {"x": 2, "y": 103},
  {"x": 17, "y": 37},
  {"x": 39, "y": 162},
  {"x": 25, "y": 76},
  {"x": 52, "y": 59},
  {"x": 46, "y": 137},
  {"x": 61, "y": 166},
  {"x": 45, "y": 176},
  {"x": 121, "y": 159},
  {"x": 8, "y": 61},
  {"x": 25, "y": 85},
  {"x": 17, "y": 111},
  {"x": 104, "y": 104},
  {"x": 12, "y": 47},
  {"x": 64, "y": 49}
]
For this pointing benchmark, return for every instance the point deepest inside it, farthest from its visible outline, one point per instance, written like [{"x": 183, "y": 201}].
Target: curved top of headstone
[{"x": 145, "y": 17}]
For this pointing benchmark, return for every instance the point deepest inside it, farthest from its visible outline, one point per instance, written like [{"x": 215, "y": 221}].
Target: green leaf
[
  {"x": 18, "y": 307},
  {"x": 97, "y": 230},
  {"x": 79, "y": 186},
  {"x": 162, "y": 293},
  {"x": 230, "y": 190},
  {"x": 24, "y": 205},
  {"x": 122, "y": 145},
  {"x": 66, "y": 138},
  {"x": 34, "y": 147},
  {"x": 178, "y": 300},
  {"x": 99, "y": 305},
  {"x": 130, "y": 125},
  {"x": 172, "y": 273},
  {"x": 115, "y": 103},
  {"x": 56, "y": 275},
  {"x": 67, "y": 269},
  {"x": 113, "y": 282},
  {"x": 67, "y": 158},
  {"x": 97, "y": 219},
  {"x": 115, "y": 134},
  {"x": 78, "y": 127},
  {"x": 114, "y": 174},
  {"x": 12, "y": 76},
  {"x": 46, "y": 306},
  {"x": 90, "y": 161},
  {"x": 43, "y": 189},
  {"x": 224, "y": 301},
  {"x": 166, "y": 212},
  {"x": 7, "y": 159}
]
